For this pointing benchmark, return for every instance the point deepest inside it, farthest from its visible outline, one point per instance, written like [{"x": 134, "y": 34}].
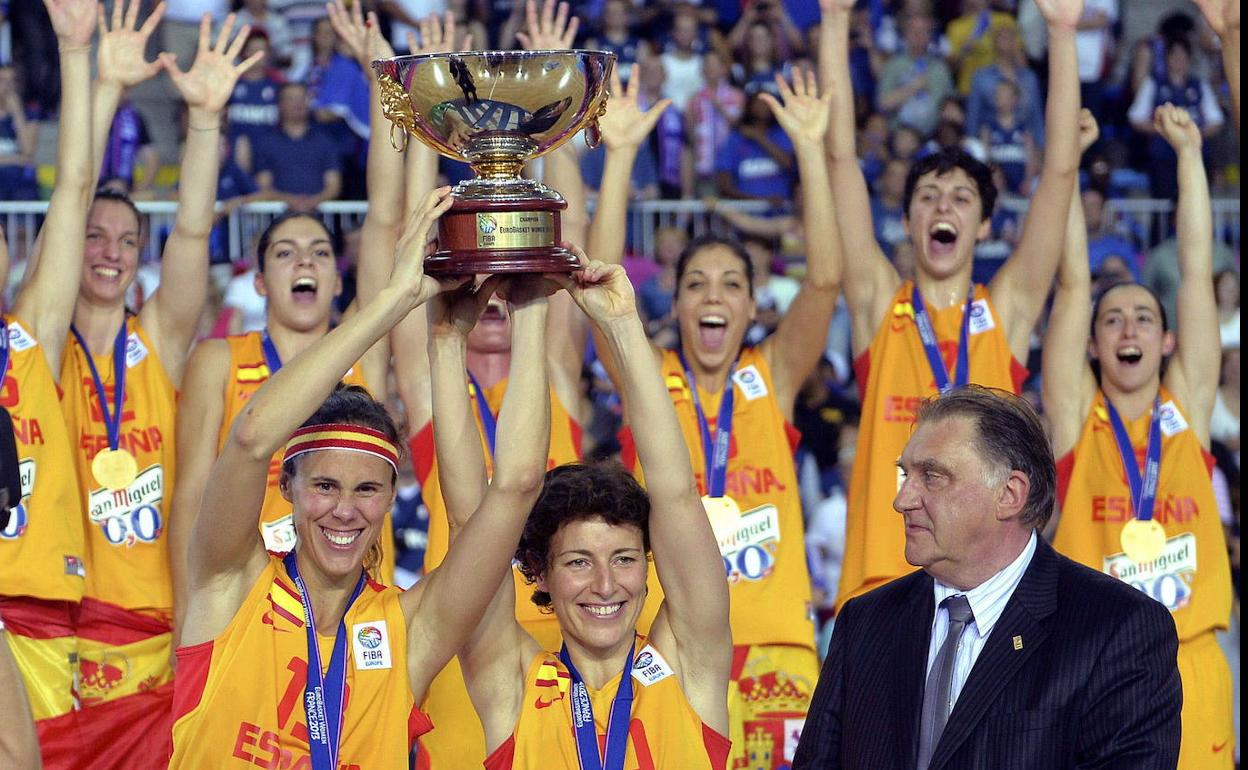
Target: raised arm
[
  {"x": 693, "y": 620},
  {"x": 795, "y": 348},
  {"x": 1022, "y": 284},
  {"x": 1223, "y": 18},
  {"x": 1194, "y": 372},
  {"x": 1068, "y": 385},
  {"x": 122, "y": 61},
  {"x": 383, "y": 180},
  {"x": 201, "y": 410},
  {"x": 226, "y": 550},
  {"x": 445, "y": 607},
  {"x": 46, "y": 298},
  {"x": 172, "y": 314},
  {"x": 870, "y": 284}
]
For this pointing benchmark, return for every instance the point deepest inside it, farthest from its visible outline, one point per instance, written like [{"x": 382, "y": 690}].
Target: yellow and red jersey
[
  {"x": 248, "y": 371},
  {"x": 239, "y": 698},
  {"x": 765, "y": 557},
  {"x": 1192, "y": 576},
  {"x": 126, "y": 530},
  {"x": 43, "y": 549},
  {"x": 894, "y": 377},
  {"x": 664, "y": 731}
]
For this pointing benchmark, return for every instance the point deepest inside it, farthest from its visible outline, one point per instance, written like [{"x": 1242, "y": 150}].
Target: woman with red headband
[{"x": 304, "y": 660}]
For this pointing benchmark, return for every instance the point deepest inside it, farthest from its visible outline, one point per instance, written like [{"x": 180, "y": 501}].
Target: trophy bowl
[{"x": 495, "y": 110}]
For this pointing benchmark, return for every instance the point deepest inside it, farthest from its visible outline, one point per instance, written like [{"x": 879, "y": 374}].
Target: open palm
[
  {"x": 625, "y": 124},
  {"x": 122, "y": 57},
  {"x": 73, "y": 21},
  {"x": 1064, "y": 14},
  {"x": 1222, "y": 15},
  {"x": 210, "y": 81},
  {"x": 803, "y": 114},
  {"x": 551, "y": 30}
]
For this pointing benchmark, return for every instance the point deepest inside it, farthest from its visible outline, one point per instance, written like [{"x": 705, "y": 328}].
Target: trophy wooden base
[{"x": 501, "y": 236}]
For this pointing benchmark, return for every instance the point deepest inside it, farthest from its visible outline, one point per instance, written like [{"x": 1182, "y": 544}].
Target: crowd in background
[{"x": 927, "y": 74}]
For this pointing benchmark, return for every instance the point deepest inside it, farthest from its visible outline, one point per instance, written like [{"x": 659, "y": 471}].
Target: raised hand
[
  {"x": 602, "y": 291},
  {"x": 210, "y": 81},
  {"x": 437, "y": 36},
  {"x": 1061, "y": 14},
  {"x": 409, "y": 260},
  {"x": 1089, "y": 130},
  {"x": 362, "y": 36},
  {"x": 551, "y": 30},
  {"x": 1222, "y": 15},
  {"x": 121, "y": 56},
  {"x": 73, "y": 21},
  {"x": 625, "y": 124},
  {"x": 832, "y": 6},
  {"x": 803, "y": 115},
  {"x": 454, "y": 312},
  {"x": 1177, "y": 127}
]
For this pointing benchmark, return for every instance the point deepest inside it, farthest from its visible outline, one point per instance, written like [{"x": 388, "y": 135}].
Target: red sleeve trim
[
  {"x": 194, "y": 663},
  {"x": 418, "y": 723},
  {"x": 628, "y": 449},
  {"x": 503, "y": 757},
  {"x": 574, "y": 428},
  {"x": 717, "y": 747},
  {"x": 1210, "y": 461},
  {"x": 793, "y": 435},
  {"x": 1018, "y": 374},
  {"x": 421, "y": 448},
  {"x": 862, "y": 370},
  {"x": 1065, "y": 467}
]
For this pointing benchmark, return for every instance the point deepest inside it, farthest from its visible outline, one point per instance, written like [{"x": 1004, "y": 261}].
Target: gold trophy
[{"x": 495, "y": 110}]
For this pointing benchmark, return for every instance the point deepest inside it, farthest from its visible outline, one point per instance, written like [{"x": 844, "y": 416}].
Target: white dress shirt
[{"x": 988, "y": 600}]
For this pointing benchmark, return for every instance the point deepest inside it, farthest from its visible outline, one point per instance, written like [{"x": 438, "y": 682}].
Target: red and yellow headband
[{"x": 351, "y": 438}]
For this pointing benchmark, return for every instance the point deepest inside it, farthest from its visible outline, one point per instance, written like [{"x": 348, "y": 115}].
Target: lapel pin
[{"x": 1018, "y": 642}]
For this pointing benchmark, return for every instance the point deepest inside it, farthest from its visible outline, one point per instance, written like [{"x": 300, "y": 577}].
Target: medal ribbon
[
  {"x": 617, "y": 722},
  {"x": 272, "y": 358},
  {"x": 488, "y": 421},
  {"x": 112, "y": 422},
  {"x": 714, "y": 449},
  {"x": 927, "y": 335},
  {"x": 1143, "y": 488},
  {"x": 324, "y": 694}
]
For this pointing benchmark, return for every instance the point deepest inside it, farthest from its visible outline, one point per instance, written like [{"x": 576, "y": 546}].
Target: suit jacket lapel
[
  {"x": 1034, "y": 600},
  {"x": 911, "y": 667}
]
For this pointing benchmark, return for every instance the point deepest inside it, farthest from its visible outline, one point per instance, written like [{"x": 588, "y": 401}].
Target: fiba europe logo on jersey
[{"x": 371, "y": 644}]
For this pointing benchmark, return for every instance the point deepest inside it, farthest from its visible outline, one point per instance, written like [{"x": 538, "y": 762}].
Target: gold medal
[
  {"x": 725, "y": 516},
  {"x": 114, "y": 468},
  {"x": 1143, "y": 541}
]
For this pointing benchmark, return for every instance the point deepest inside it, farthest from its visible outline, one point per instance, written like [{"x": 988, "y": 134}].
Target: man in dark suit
[{"x": 999, "y": 653}]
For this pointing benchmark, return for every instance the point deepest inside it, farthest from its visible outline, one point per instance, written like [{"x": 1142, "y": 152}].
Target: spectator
[
  {"x": 235, "y": 188},
  {"x": 1008, "y": 141},
  {"x": 785, "y": 38},
  {"x": 889, "y": 35},
  {"x": 1009, "y": 65},
  {"x": 673, "y": 161},
  {"x": 339, "y": 92},
  {"x": 905, "y": 143},
  {"x": 1161, "y": 270},
  {"x": 1094, "y": 42},
  {"x": 654, "y": 296},
  {"x": 758, "y": 58},
  {"x": 18, "y": 138},
  {"x": 887, "y": 210},
  {"x": 405, "y": 16},
  {"x": 617, "y": 36},
  {"x": 710, "y": 117},
  {"x": 264, "y": 19},
  {"x": 972, "y": 39},
  {"x": 244, "y": 303},
  {"x": 1103, "y": 243},
  {"x": 682, "y": 63},
  {"x": 756, "y": 163},
  {"x": 300, "y": 16},
  {"x": 296, "y": 161},
  {"x": 1180, "y": 87},
  {"x": 865, "y": 58},
  {"x": 913, "y": 83},
  {"x": 773, "y": 293},
  {"x": 253, "y": 105},
  {"x": 1226, "y": 290},
  {"x": 130, "y": 158},
  {"x": 873, "y": 146},
  {"x": 1224, "y": 424}
]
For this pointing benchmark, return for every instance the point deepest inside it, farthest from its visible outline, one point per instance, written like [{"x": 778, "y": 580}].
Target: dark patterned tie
[{"x": 936, "y": 693}]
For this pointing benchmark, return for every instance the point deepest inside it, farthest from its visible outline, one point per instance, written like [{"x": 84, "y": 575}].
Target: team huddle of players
[{"x": 230, "y": 499}]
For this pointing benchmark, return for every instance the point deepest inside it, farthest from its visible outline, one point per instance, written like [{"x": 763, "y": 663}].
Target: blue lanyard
[
  {"x": 487, "y": 417},
  {"x": 272, "y": 358},
  {"x": 112, "y": 422},
  {"x": 981, "y": 24},
  {"x": 1143, "y": 487},
  {"x": 714, "y": 449},
  {"x": 927, "y": 335},
  {"x": 4, "y": 349},
  {"x": 323, "y": 695},
  {"x": 617, "y": 722}
]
